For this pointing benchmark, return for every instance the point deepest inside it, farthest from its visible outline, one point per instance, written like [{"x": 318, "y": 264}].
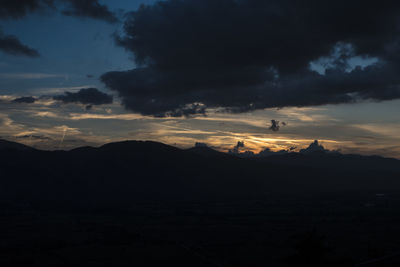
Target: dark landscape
[
  {"x": 139, "y": 203},
  {"x": 200, "y": 133}
]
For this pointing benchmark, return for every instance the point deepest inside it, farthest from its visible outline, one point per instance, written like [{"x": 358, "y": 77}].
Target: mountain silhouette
[
  {"x": 152, "y": 204},
  {"x": 208, "y": 152},
  {"x": 142, "y": 170},
  {"x": 8, "y": 145}
]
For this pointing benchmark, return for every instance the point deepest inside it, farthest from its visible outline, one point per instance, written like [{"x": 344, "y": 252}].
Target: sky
[{"x": 271, "y": 74}]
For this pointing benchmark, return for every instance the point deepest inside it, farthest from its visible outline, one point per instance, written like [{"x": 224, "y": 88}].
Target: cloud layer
[{"x": 243, "y": 55}]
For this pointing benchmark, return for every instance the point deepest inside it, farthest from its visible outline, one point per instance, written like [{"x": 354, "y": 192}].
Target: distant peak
[
  {"x": 9, "y": 145},
  {"x": 314, "y": 147}
]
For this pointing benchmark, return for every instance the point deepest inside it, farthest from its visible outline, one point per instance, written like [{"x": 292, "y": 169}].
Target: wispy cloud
[
  {"x": 88, "y": 116},
  {"x": 30, "y": 76},
  {"x": 59, "y": 90},
  {"x": 221, "y": 131},
  {"x": 47, "y": 114}
]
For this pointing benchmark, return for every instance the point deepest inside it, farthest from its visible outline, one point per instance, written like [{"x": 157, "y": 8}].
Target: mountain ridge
[
  {"x": 319, "y": 158},
  {"x": 11, "y": 145}
]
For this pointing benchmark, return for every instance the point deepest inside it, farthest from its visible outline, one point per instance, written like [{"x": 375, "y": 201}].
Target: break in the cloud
[
  {"x": 87, "y": 96},
  {"x": 11, "y": 45},
  {"x": 12, "y": 9},
  {"x": 242, "y": 55}
]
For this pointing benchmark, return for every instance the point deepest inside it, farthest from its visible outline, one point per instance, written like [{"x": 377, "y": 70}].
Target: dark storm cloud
[
  {"x": 25, "y": 99},
  {"x": 10, "y": 44},
  {"x": 87, "y": 96},
  {"x": 90, "y": 9},
  {"x": 242, "y": 55}
]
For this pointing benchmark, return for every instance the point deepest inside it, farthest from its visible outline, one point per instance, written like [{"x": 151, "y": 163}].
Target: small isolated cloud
[
  {"x": 11, "y": 45},
  {"x": 274, "y": 126},
  {"x": 25, "y": 99},
  {"x": 86, "y": 96}
]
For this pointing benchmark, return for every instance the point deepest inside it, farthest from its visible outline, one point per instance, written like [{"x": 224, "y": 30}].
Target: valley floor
[{"x": 277, "y": 230}]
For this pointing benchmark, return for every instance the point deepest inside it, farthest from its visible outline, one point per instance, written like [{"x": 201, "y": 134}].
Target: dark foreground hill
[
  {"x": 148, "y": 204},
  {"x": 136, "y": 170}
]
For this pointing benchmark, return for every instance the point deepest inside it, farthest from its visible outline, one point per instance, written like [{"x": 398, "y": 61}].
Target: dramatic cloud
[
  {"x": 241, "y": 55},
  {"x": 10, "y": 44},
  {"x": 25, "y": 99},
  {"x": 90, "y": 9},
  {"x": 87, "y": 96}
]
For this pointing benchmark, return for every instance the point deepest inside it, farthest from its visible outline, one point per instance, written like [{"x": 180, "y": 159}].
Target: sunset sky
[{"x": 178, "y": 73}]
